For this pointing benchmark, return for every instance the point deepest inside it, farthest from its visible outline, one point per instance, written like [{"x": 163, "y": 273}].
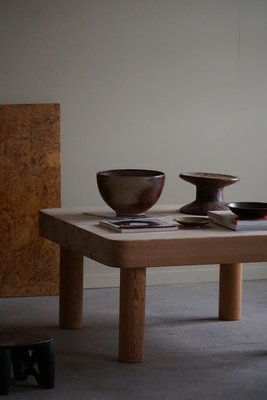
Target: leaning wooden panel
[{"x": 29, "y": 181}]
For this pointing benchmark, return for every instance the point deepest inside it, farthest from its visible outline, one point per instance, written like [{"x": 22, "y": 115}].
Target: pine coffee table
[{"x": 78, "y": 233}]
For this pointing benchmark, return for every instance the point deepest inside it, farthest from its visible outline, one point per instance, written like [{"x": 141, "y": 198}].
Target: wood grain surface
[
  {"x": 29, "y": 181},
  {"x": 132, "y": 314}
]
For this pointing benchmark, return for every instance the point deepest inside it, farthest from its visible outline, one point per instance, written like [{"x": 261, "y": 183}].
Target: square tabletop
[{"x": 78, "y": 229}]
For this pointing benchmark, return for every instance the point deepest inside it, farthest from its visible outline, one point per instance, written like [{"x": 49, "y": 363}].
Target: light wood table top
[{"x": 209, "y": 244}]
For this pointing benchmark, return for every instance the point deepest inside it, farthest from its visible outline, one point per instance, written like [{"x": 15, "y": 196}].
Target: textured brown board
[{"x": 29, "y": 181}]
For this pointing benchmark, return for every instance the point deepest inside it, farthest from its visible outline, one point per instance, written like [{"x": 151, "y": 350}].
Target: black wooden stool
[{"x": 28, "y": 354}]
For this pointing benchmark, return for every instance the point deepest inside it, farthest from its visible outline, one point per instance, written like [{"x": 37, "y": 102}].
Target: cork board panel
[{"x": 29, "y": 181}]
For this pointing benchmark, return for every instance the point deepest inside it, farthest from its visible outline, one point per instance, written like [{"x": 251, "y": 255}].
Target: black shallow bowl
[{"x": 248, "y": 209}]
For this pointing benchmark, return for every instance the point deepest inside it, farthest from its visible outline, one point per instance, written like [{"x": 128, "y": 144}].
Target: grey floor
[{"x": 189, "y": 354}]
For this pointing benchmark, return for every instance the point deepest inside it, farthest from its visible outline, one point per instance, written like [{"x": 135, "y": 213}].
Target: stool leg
[
  {"x": 5, "y": 368},
  {"x": 20, "y": 360},
  {"x": 44, "y": 356}
]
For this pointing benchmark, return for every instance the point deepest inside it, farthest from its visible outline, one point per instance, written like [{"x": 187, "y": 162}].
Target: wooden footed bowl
[
  {"x": 209, "y": 191},
  {"x": 130, "y": 191}
]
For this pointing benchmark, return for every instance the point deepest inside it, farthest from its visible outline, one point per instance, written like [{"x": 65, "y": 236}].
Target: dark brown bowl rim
[{"x": 123, "y": 172}]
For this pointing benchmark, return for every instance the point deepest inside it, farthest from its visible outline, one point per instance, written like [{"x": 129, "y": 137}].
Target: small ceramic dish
[
  {"x": 192, "y": 222},
  {"x": 248, "y": 209}
]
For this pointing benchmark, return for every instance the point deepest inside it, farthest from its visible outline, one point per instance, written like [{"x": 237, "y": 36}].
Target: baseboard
[{"x": 161, "y": 276}]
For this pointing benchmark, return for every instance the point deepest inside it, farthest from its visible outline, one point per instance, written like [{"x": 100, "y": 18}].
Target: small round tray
[{"x": 192, "y": 222}]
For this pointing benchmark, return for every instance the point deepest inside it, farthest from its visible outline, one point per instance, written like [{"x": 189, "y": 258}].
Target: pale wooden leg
[
  {"x": 71, "y": 289},
  {"x": 132, "y": 314},
  {"x": 230, "y": 291}
]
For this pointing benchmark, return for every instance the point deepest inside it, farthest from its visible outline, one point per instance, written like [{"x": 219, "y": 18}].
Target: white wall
[{"x": 173, "y": 85}]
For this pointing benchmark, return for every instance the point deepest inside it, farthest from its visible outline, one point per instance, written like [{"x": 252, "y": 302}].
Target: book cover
[
  {"x": 229, "y": 220},
  {"x": 138, "y": 225}
]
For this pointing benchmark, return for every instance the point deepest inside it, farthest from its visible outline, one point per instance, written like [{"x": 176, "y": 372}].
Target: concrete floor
[{"x": 189, "y": 354}]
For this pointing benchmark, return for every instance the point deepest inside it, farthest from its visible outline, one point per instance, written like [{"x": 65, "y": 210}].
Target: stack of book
[{"x": 229, "y": 220}]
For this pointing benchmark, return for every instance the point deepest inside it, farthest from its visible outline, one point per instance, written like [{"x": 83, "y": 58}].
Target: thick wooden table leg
[
  {"x": 71, "y": 289},
  {"x": 230, "y": 291},
  {"x": 132, "y": 314}
]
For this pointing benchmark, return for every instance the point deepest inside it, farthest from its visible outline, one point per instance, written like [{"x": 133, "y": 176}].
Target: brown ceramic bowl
[{"x": 130, "y": 191}]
